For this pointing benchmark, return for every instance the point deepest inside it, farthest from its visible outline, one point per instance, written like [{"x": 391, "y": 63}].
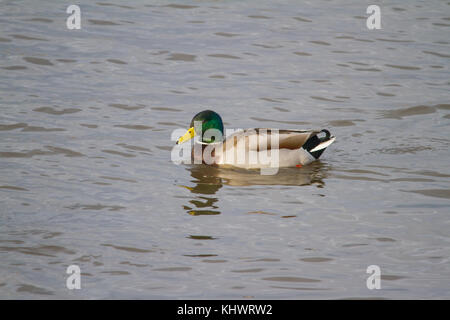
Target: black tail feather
[{"x": 314, "y": 141}]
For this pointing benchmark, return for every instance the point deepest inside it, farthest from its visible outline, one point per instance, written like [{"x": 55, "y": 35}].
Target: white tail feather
[{"x": 323, "y": 145}]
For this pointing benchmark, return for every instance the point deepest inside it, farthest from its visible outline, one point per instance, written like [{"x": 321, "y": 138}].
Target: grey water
[{"x": 86, "y": 177}]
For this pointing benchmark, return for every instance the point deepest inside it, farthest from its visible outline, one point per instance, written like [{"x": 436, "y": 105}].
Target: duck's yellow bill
[{"x": 187, "y": 136}]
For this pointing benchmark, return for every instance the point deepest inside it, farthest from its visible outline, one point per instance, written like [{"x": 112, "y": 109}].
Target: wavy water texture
[{"x": 87, "y": 129}]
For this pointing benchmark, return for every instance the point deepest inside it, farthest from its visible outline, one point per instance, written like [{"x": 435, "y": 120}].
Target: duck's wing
[{"x": 259, "y": 139}]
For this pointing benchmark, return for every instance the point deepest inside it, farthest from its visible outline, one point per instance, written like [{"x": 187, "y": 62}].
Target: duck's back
[
  {"x": 261, "y": 148},
  {"x": 260, "y": 139}
]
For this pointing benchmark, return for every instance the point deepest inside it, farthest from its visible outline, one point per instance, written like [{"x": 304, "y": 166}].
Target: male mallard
[{"x": 252, "y": 148}]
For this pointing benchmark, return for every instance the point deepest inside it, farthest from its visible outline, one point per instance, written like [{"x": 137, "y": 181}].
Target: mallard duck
[{"x": 252, "y": 148}]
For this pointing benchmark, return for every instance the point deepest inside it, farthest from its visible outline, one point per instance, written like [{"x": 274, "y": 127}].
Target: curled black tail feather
[{"x": 314, "y": 141}]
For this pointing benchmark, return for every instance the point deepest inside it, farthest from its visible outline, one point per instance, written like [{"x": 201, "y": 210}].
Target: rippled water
[{"x": 86, "y": 177}]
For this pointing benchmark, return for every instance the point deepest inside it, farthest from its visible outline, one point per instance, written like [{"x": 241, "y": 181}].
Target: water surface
[{"x": 85, "y": 171}]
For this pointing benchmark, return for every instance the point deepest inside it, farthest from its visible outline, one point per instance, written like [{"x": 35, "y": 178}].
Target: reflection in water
[
  {"x": 209, "y": 179},
  {"x": 207, "y": 183}
]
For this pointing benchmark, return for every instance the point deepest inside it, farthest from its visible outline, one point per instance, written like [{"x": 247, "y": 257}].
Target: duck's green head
[{"x": 201, "y": 124}]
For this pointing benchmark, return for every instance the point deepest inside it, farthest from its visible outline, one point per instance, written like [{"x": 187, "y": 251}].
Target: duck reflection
[
  {"x": 207, "y": 183},
  {"x": 209, "y": 179}
]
